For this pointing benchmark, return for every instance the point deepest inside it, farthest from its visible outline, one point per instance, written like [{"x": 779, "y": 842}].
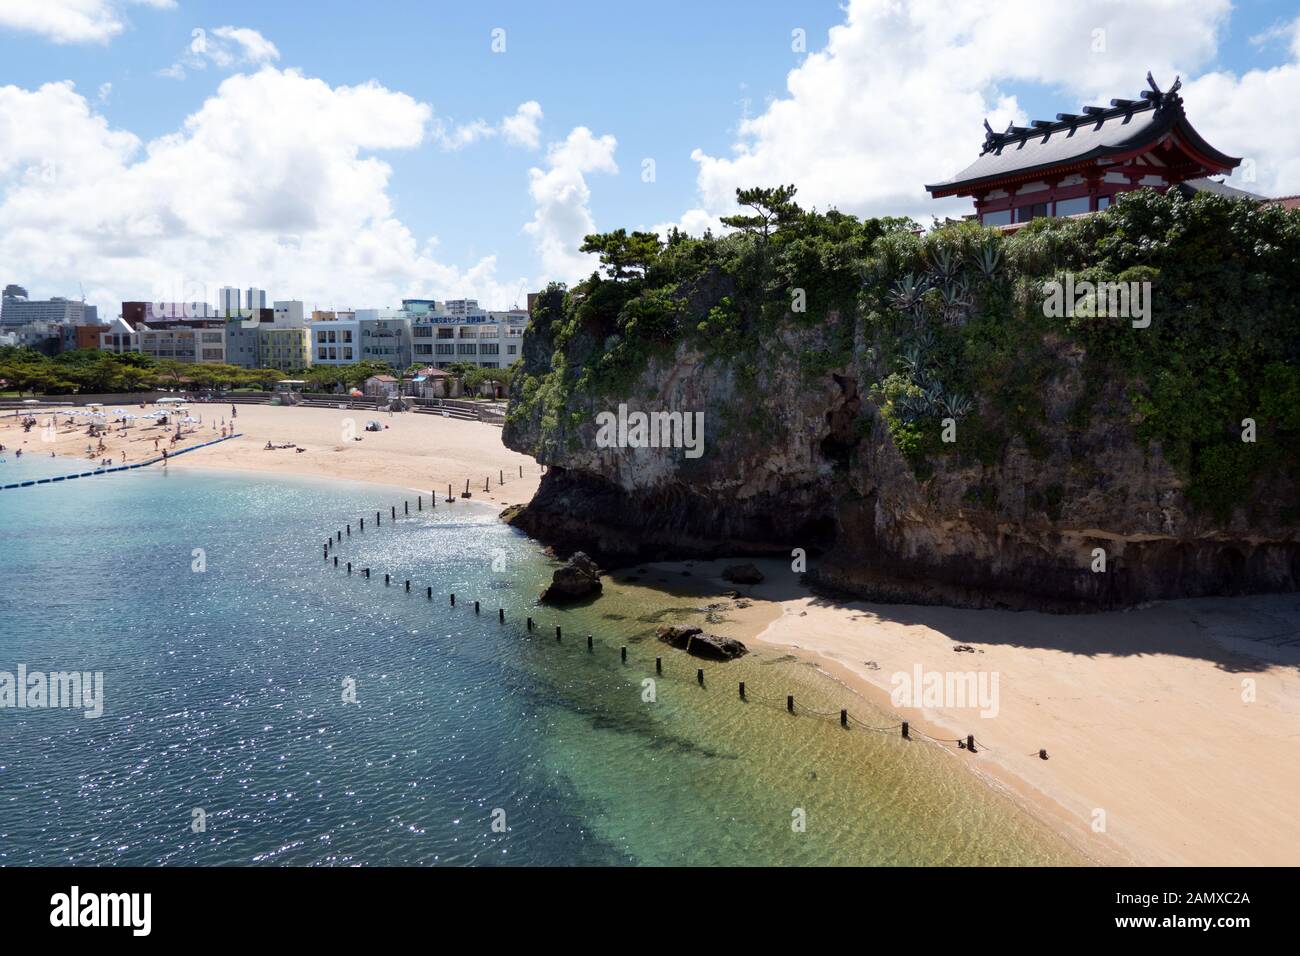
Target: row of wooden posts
[{"x": 530, "y": 624}]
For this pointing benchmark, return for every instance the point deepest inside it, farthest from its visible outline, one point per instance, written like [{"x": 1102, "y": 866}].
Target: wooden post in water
[
  {"x": 385, "y": 580},
  {"x": 450, "y": 499},
  {"x": 789, "y": 702},
  {"x": 501, "y": 477},
  {"x": 349, "y": 567},
  {"x": 406, "y": 507},
  {"x": 363, "y": 524},
  {"x": 336, "y": 560},
  {"x": 366, "y": 572},
  {"x": 393, "y": 509},
  {"x": 557, "y": 632},
  {"x": 623, "y": 653},
  {"x": 844, "y": 717},
  {"x": 453, "y": 599},
  {"x": 742, "y": 690},
  {"x": 419, "y": 503},
  {"x": 476, "y": 607},
  {"x": 487, "y": 483},
  {"x": 521, "y": 471},
  {"x": 428, "y": 592},
  {"x": 340, "y": 536},
  {"x": 349, "y": 531},
  {"x": 589, "y": 642},
  {"x": 699, "y": 675},
  {"x": 970, "y": 743},
  {"x": 659, "y": 665},
  {"x": 408, "y": 585},
  {"x": 905, "y": 734}
]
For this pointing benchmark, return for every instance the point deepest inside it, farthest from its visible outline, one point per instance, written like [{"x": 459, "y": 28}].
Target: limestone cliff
[{"x": 815, "y": 437}]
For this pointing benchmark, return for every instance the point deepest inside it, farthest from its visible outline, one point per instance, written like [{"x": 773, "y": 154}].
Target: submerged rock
[
  {"x": 578, "y": 578},
  {"x": 694, "y": 641},
  {"x": 742, "y": 574}
]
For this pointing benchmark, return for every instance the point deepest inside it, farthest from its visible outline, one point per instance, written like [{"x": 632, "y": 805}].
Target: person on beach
[
  {"x": 164, "y": 451},
  {"x": 234, "y": 413}
]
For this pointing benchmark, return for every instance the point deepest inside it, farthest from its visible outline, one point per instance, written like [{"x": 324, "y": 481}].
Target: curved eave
[
  {"x": 1028, "y": 173},
  {"x": 1202, "y": 150}
]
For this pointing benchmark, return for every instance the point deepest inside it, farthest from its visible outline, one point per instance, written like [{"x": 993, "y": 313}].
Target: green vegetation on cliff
[{"x": 951, "y": 325}]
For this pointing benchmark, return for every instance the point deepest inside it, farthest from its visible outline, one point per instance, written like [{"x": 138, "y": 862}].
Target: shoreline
[
  {"x": 1131, "y": 705},
  {"x": 421, "y": 453},
  {"x": 1141, "y": 711}
]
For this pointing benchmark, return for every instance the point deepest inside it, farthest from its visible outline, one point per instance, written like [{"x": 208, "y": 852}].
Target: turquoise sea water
[{"x": 224, "y": 693}]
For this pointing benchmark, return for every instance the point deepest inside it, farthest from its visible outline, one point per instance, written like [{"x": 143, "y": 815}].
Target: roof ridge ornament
[{"x": 1168, "y": 97}]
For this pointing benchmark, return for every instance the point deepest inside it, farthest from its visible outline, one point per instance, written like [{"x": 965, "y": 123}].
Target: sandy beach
[
  {"x": 420, "y": 452},
  {"x": 1172, "y": 731},
  {"x": 1158, "y": 752}
]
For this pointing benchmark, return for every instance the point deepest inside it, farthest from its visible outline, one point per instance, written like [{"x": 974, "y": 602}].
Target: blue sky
[{"x": 870, "y": 118}]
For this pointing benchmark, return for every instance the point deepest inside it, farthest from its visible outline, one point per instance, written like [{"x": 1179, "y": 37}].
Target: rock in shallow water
[
  {"x": 694, "y": 641},
  {"x": 579, "y": 578}
]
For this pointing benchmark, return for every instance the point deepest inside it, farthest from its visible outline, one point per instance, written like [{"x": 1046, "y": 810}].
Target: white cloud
[
  {"x": 271, "y": 182},
  {"x": 562, "y": 197},
  {"x": 1253, "y": 116},
  {"x": 523, "y": 128},
  {"x": 224, "y": 47},
  {"x": 105, "y": 92},
  {"x": 898, "y": 95},
  {"x": 519, "y": 129},
  {"x": 252, "y": 46},
  {"x": 72, "y": 21}
]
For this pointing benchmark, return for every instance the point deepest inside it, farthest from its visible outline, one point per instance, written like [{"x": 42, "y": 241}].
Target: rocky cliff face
[{"x": 798, "y": 461}]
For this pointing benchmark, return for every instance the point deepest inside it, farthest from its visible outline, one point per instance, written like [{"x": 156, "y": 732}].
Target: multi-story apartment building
[
  {"x": 287, "y": 349},
  {"x": 202, "y": 340},
  {"x": 17, "y": 309},
  {"x": 385, "y": 336},
  {"x": 335, "y": 341},
  {"x": 441, "y": 341}
]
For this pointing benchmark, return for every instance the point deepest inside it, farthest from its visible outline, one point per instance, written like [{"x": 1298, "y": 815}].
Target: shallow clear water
[{"x": 224, "y": 692}]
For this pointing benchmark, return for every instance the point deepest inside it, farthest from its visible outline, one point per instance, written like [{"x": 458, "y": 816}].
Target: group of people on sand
[{"x": 270, "y": 447}]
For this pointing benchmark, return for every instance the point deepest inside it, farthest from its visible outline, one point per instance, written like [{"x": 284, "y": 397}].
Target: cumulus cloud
[
  {"x": 524, "y": 127},
  {"x": 72, "y": 21},
  {"x": 224, "y": 47},
  {"x": 562, "y": 197},
  {"x": 272, "y": 182},
  {"x": 897, "y": 96},
  {"x": 1253, "y": 116},
  {"x": 521, "y": 128}
]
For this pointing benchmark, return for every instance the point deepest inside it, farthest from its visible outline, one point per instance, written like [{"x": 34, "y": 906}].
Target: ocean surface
[{"x": 227, "y": 644}]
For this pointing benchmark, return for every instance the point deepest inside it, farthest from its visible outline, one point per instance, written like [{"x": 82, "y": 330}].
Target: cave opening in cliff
[
  {"x": 818, "y": 534},
  {"x": 841, "y": 437}
]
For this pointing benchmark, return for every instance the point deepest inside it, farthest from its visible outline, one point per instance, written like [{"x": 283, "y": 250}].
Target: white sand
[
  {"x": 1141, "y": 712},
  {"x": 420, "y": 452}
]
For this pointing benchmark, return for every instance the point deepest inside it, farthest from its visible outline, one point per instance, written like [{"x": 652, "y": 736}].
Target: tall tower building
[
  {"x": 255, "y": 298},
  {"x": 228, "y": 299}
]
